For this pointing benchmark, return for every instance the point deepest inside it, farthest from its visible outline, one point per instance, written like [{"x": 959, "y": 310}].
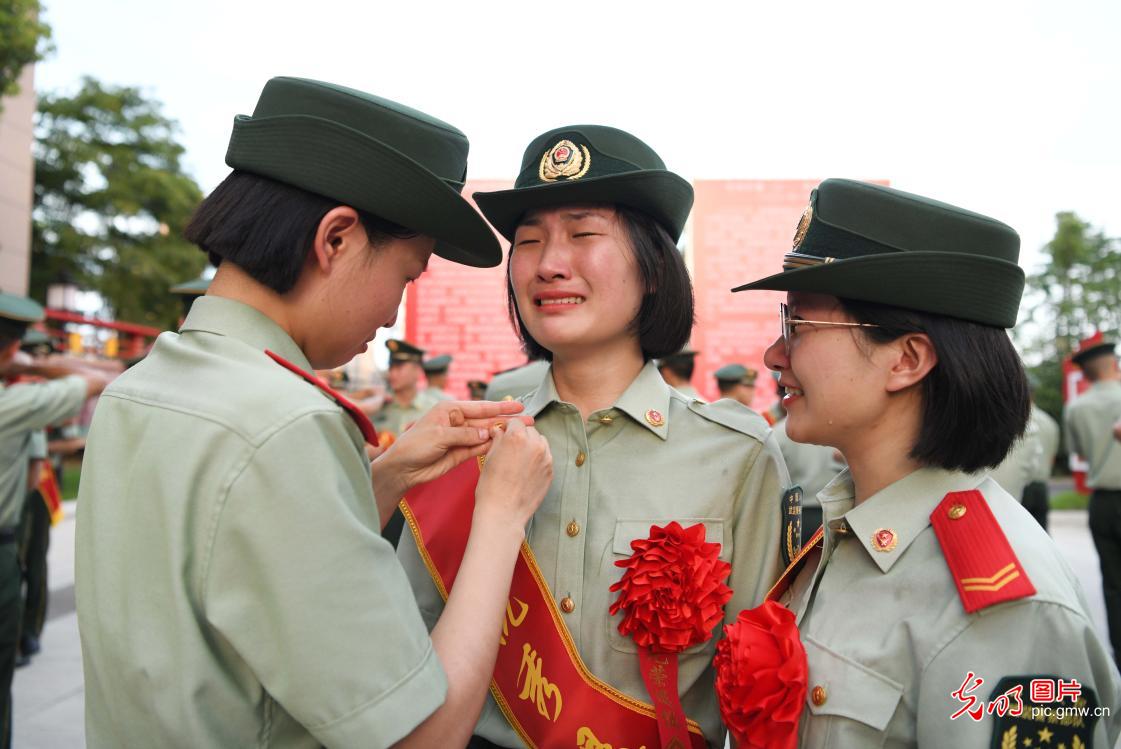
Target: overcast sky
[{"x": 1008, "y": 108}]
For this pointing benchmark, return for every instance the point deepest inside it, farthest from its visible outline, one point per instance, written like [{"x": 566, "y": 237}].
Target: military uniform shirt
[
  {"x": 25, "y": 409},
  {"x": 233, "y": 589},
  {"x": 437, "y": 394},
  {"x": 517, "y": 382},
  {"x": 393, "y": 417},
  {"x": 1088, "y": 421},
  {"x": 614, "y": 476},
  {"x": 1046, "y": 431},
  {"x": 888, "y": 639}
]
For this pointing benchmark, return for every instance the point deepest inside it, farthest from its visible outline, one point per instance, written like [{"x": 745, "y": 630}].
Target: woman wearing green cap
[
  {"x": 933, "y": 610},
  {"x": 597, "y": 286},
  {"x": 233, "y": 586}
]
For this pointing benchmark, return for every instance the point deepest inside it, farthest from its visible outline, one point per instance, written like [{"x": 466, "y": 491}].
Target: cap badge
[
  {"x": 803, "y": 226},
  {"x": 654, "y": 418},
  {"x": 884, "y": 539},
  {"x": 565, "y": 161}
]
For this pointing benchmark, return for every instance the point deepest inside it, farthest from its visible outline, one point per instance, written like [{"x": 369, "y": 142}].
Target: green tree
[
  {"x": 111, "y": 201},
  {"x": 1079, "y": 290},
  {"x": 24, "y": 39}
]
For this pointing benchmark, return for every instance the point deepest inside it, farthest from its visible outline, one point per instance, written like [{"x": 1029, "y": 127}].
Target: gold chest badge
[{"x": 565, "y": 161}]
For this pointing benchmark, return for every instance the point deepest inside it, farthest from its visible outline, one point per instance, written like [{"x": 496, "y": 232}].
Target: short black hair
[
  {"x": 682, "y": 366},
  {"x": 1098, "y": 366},
  {"x": 976, "y": 399},
  {"x": 725, "y": 387},
  {"x": 267, "y": 227},
  {"x": 665, "y": 317},
  {"x": 11, "y": 330}
]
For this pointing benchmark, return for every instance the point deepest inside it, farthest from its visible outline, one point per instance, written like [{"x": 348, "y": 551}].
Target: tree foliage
[
  {"x": 24, "y": 39},
  {"x": 1079, "y": 288},
  {"x": 111, "y": 200}
]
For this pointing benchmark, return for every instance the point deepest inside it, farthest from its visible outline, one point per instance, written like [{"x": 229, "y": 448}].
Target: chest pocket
[
  {"x": 856, "y": 702},
  {"x": 633, "y": 530}
]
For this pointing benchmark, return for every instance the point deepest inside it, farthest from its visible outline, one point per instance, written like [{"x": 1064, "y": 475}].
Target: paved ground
[{"x": 48, "y": 693}]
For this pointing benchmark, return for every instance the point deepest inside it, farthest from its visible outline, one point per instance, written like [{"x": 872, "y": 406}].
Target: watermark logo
[{"x": 1031, "y": 710}]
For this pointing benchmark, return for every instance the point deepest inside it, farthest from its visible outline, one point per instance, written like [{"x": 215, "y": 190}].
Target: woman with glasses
[
  {"x": 933, "y": 610},
  {"x": 597, "y": 286}
]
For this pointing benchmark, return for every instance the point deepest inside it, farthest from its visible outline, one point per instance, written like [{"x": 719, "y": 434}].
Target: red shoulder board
[
  {"x": 363, "y": 422},
  {"x": 985, "y": 569}
]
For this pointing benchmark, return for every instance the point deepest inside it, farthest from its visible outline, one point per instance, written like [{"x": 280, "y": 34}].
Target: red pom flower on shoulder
[{"x": 761, "y": 676}]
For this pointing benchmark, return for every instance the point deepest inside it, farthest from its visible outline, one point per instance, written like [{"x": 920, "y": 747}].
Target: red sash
[
  {"x": 48, "y": 490},
  {"x": 541, "y": 684},
  {"x": 795, "y": 566}
]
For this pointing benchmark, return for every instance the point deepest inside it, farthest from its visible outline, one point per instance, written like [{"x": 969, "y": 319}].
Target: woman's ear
[
  {"x": 913, "y": 356},
  {"x": 338, "y": 231}
]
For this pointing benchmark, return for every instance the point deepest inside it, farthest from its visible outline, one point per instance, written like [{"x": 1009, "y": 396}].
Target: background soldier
[
  {"x": 677, "y": 371},
  {"x": 25, "y": 410},
  {"x": 436, "y": 372},
  {"x": 737, "y": 382},
  {"x": 1088, "y": 421}
]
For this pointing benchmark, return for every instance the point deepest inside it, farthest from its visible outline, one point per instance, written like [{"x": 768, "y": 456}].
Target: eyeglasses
[{"x": 788, "y": 323}]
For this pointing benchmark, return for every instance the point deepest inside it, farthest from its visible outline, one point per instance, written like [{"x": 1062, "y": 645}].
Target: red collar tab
[
  {"x": 363, "y": 422},
  {"x": 984, "y": 567}
]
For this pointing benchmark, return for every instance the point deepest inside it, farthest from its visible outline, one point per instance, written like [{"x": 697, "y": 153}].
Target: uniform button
[
  {"x": 818, "y": 695},
  {"x": 572, "y": 529},
  {"x": 580, "y": 458},
  {"x": 956, "y": 511},
  {"x": 606, "y": 420},
  {"x": 568, "y": 605}
]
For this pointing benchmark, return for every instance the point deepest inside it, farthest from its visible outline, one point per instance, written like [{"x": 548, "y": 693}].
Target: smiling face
[
  {"x": 575, "y": 279},
  {"x": 836, "y": 388}
]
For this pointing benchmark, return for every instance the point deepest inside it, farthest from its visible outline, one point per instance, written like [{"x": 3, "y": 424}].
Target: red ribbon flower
[
  {"x": 761, "y": 676},
  {"x": 673, "y": 592}
]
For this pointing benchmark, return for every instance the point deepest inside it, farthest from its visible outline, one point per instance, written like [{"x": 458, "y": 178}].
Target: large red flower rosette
[
  {"x": 761, "y": 676},
  {"x": 672, "y": 596}
]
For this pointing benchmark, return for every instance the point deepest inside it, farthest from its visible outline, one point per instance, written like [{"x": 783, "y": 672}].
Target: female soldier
[
  {"x": 233, "y": 588},
  {"x": 597, "y": 286},
  {"x": 934, "y": 606}
]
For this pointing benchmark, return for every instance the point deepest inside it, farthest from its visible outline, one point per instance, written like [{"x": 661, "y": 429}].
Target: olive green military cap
[
  {"x": 20, "y": 309},
  {"x": 876, "y": 244},
  {"x": 196, "y": 287},
  {"x": 437, "y": 364},
  {"x": 731, "y": 373},
  {"x": 402, "y": 351},
  {"x": 477, "y": 389},
  {"x": 1092, "y": 348},
  {"x": 590, "y": 164},
  {"x": 370, "y": 153}
]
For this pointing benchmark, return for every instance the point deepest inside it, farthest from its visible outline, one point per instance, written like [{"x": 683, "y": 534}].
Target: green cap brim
[
  {"x": 662, "y": 195},
  {"x": 356, "y": 170},
  {"x": 981, "y": 289}
]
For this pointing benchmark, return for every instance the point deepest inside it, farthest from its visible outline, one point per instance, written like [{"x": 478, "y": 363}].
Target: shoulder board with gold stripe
[{"x": 985, "y": 569}]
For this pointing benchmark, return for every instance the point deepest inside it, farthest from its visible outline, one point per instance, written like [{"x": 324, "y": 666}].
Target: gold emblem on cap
[
  {"x": 884, "y": 539},
  {"x": 566, "y": 161},
  {"x": 392, "y": 345},
  {"x": 654, "y": 418},
  {"x": 803, "y": 226},
  {"x": 956, "y": 511}
]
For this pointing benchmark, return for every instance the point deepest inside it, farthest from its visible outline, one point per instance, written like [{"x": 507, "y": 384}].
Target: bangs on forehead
[{"x": 574, "y": 211}]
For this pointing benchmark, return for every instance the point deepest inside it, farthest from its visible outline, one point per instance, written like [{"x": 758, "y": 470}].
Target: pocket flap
[{"x": 852, "y": 690}]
